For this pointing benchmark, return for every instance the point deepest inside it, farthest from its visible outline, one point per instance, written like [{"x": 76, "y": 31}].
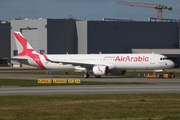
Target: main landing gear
[{"x": 86, "y": 75}]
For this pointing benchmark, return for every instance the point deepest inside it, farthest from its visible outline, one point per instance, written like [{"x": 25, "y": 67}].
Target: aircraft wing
[
  {"x": 76, "y": 63},
  {"x": 82, "y": 64}
]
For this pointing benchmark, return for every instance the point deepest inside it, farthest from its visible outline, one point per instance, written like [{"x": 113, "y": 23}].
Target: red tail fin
[{"x": 25, "y": 49}]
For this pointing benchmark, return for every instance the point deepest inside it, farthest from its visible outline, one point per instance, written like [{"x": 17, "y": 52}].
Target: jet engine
[
  {"x": 117, "y": 72},
  {"x": 100, "y": 70}
]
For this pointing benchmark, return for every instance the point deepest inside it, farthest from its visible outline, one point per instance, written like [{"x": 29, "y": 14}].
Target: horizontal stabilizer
[
  {"x": 20, "y": 59},
  {"x": 15, "y": 58}
]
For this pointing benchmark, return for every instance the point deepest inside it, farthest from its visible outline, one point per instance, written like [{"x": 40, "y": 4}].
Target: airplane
[{"x": 98, "y": 64}]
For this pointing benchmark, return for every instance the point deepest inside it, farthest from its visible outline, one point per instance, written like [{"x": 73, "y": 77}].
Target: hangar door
[{"x": 32, "y": 37}]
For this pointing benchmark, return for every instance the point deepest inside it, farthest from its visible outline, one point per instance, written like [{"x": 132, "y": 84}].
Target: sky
[{"x": 84, "y": 9}]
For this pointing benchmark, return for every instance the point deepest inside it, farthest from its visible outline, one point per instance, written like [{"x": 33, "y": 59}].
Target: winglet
[{"x": 99, "y": 52}]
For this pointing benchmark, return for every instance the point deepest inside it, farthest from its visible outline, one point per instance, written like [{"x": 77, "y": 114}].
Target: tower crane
[{"x": 156, "y": 6}]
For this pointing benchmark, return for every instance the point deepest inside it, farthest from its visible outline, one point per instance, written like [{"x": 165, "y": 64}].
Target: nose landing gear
[{"x": 86, "y": 75}]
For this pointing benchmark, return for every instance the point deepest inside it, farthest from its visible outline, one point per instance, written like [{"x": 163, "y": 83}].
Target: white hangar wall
[{"x": 82, "y": 36}]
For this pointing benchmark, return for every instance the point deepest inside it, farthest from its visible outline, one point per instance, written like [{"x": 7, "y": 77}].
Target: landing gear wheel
[
  {"x": 86, "y": 75},
  {"x": 96, "y": 76}
]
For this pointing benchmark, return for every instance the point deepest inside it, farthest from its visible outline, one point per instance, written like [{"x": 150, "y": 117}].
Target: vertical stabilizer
[
  {"x": 23, "y": 46},
  {"x": 25, "y": 49}
]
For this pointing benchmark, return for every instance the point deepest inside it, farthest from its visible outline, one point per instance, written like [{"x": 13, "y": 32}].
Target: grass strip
[{"x": 91, "y": 107}]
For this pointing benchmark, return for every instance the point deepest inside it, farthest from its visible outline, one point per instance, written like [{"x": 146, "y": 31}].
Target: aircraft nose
[{"x": 172, "y": 64}]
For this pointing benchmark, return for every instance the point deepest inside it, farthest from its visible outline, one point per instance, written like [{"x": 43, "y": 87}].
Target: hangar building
[
  {"x": 4, "y": 42},
  {"x": 121, "y": 37},
  {"x": 48, "y": 35},
  {"x": 72, "y": 36}
]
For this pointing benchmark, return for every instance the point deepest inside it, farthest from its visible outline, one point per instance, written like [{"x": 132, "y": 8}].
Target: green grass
[
  {"x": 88, "y": 107},
  {"x": 91, "y": 107},
  {"x": 17, "y": 82}
]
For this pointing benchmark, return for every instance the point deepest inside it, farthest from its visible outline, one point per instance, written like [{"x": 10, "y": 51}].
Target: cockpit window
[{"x": 164, "y": 58}]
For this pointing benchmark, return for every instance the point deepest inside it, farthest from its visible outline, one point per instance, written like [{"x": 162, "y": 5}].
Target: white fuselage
[{"x": 113, "y": 61}]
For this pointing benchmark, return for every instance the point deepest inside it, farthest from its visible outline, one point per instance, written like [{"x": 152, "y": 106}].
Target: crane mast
[{"x": 147, "y": 5}]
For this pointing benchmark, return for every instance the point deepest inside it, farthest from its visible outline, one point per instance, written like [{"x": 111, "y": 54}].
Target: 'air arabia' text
[{"x": 132, "y": 59}]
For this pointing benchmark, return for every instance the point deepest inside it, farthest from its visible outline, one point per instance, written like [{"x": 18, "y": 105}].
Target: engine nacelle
[
  {"x": 117, "y": 72},
  {"x": 100, "y": 70}
]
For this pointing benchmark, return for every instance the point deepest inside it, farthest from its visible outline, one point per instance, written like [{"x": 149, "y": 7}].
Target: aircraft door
[{"x": 152, "y": 59}]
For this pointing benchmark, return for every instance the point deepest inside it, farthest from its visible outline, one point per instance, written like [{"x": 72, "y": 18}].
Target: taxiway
[{"x": 153, "y": 86}]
